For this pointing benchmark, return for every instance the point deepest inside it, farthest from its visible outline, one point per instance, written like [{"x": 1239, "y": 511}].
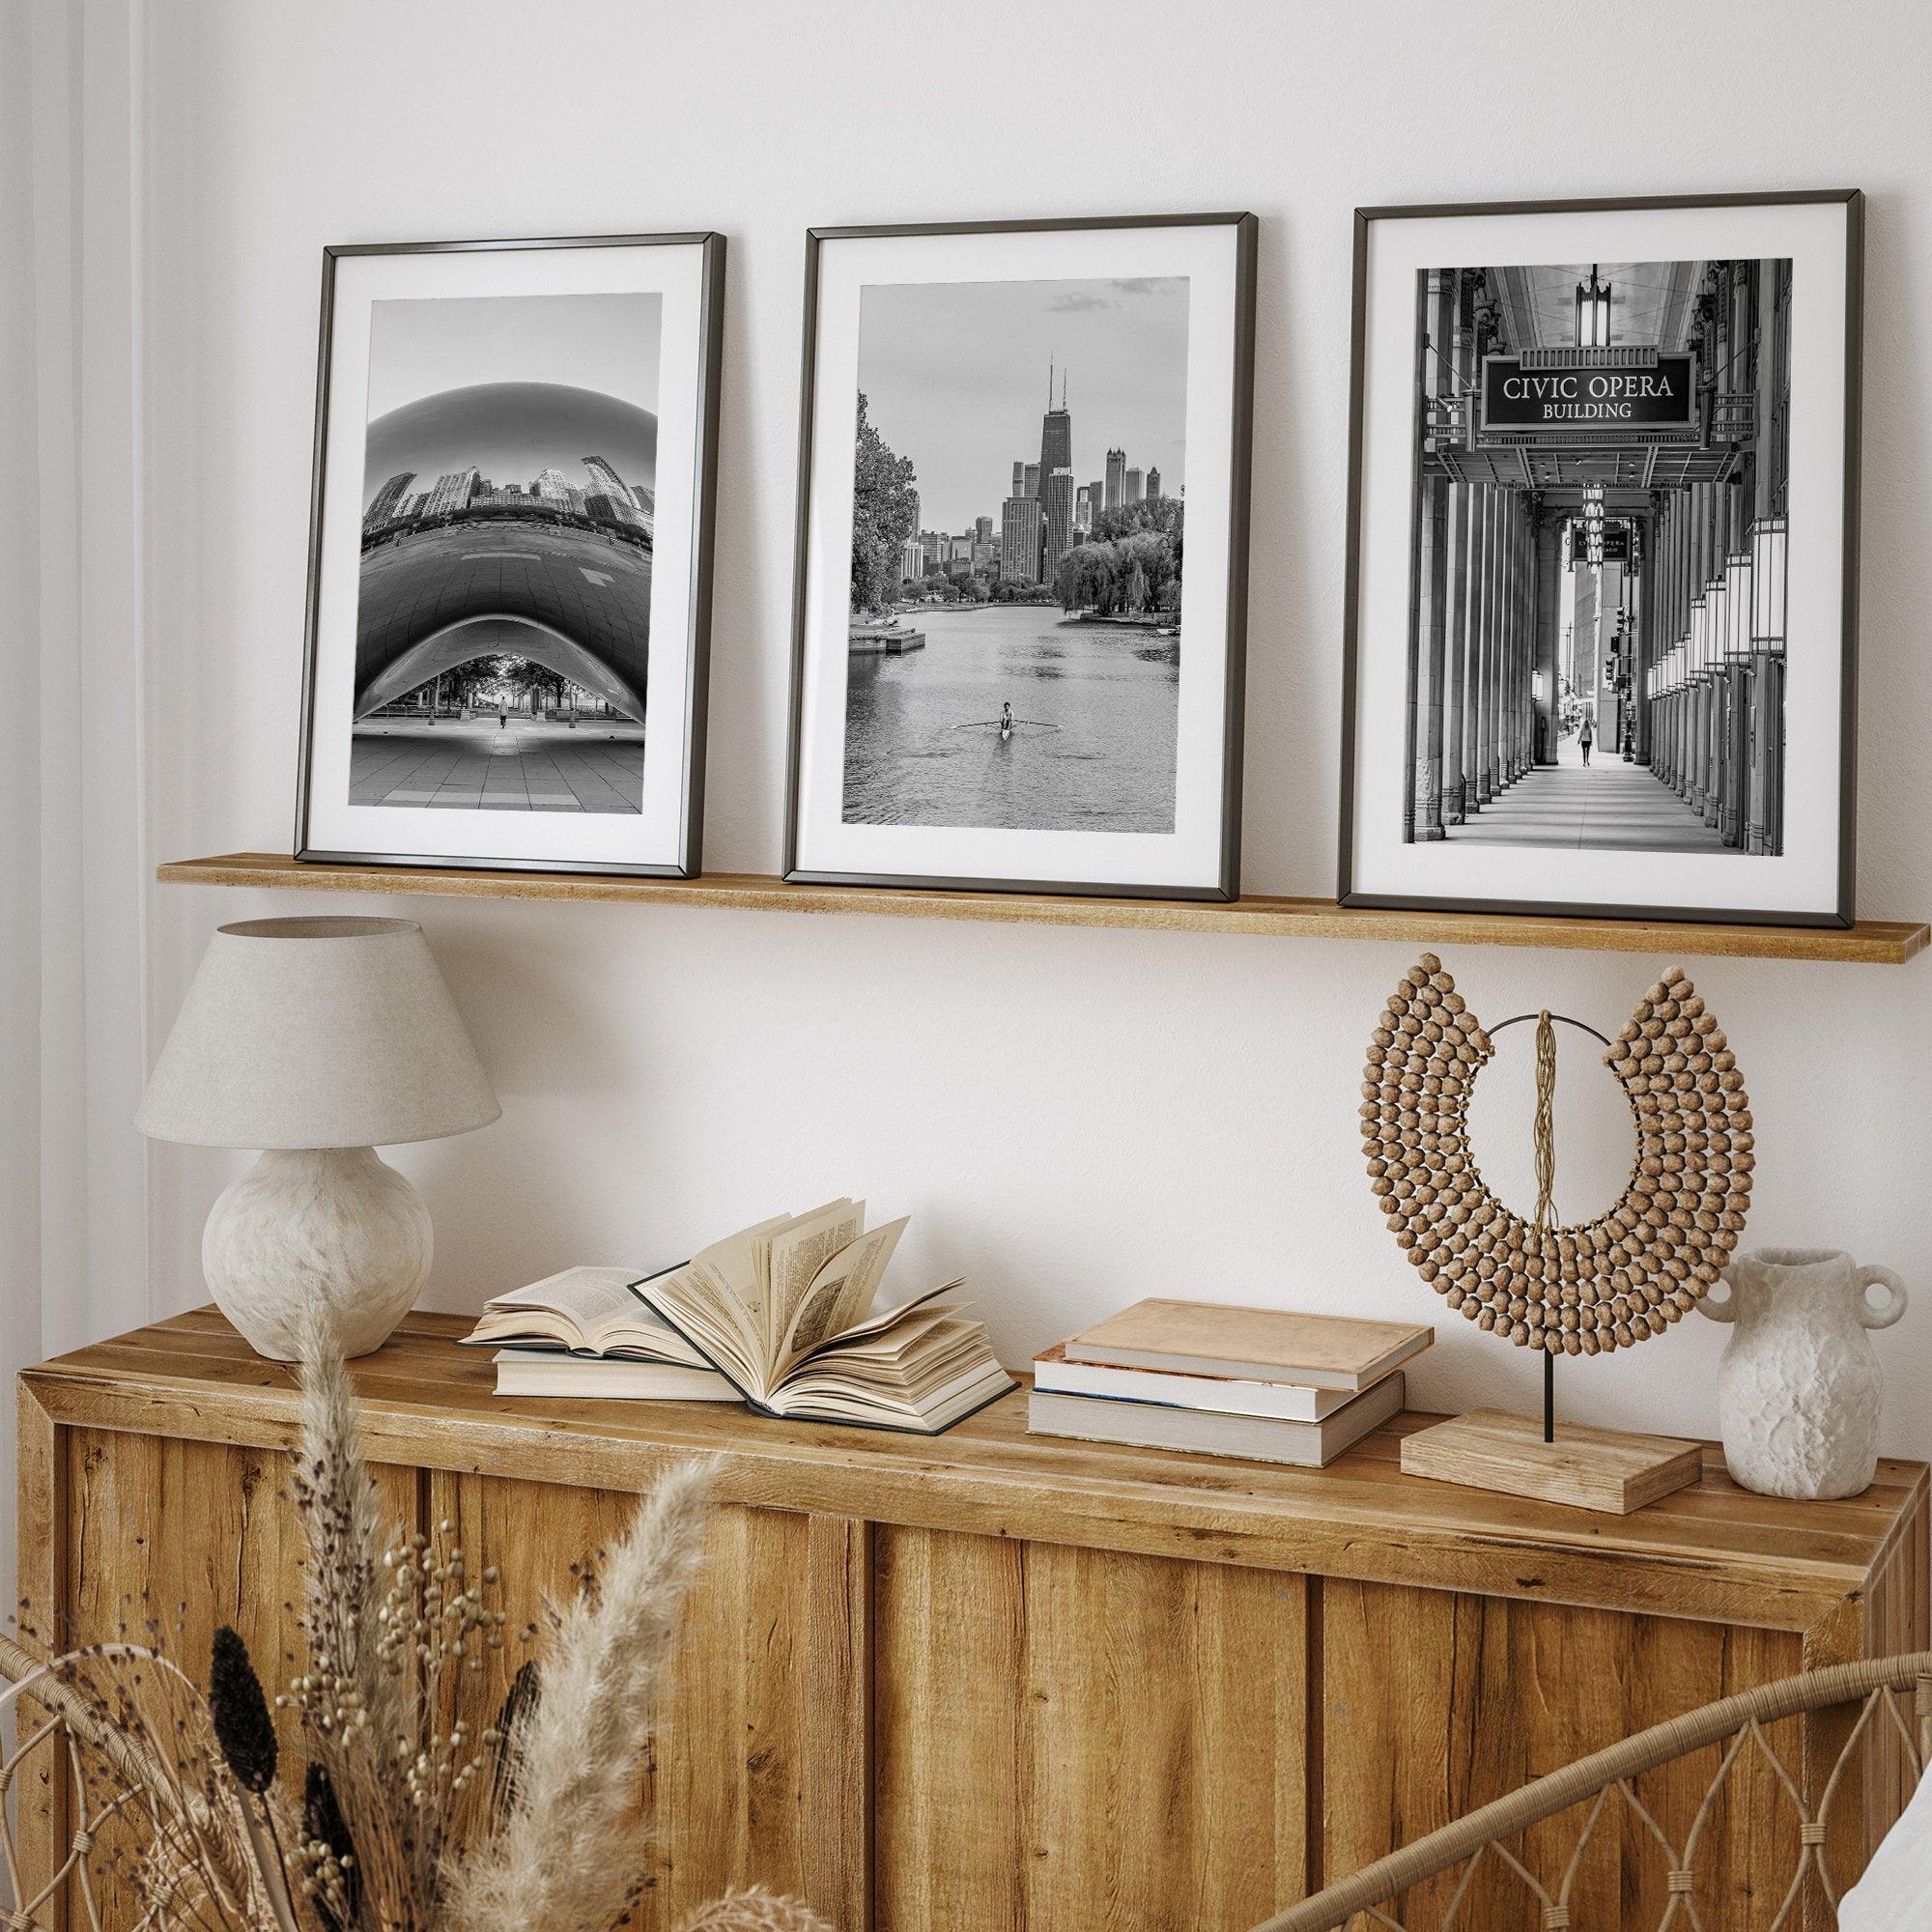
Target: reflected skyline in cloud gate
[{"x": 511, "y": 432}]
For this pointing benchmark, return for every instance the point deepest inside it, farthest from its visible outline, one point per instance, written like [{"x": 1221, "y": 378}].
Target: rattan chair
[
  {"x": 1482, "y": 1855},
  {"x": 50, "y": 1734}
]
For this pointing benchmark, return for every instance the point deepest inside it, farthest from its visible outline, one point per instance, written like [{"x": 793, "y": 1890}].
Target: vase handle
[
  {"x": 1725, "y": 1310},
  {"x": 1885, "y": 1316}
]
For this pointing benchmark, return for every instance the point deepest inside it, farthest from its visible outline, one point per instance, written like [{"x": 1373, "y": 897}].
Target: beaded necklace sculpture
[{"x": 1608, "y": 1283}]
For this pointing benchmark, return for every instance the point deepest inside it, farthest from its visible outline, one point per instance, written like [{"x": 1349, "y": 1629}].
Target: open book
[
  {"x": 784, "y": 1312},
  {"x": 584, "y": 1311}
]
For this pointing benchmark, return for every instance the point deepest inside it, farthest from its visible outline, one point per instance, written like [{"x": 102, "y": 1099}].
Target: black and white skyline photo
[
  {"x": 1599, "y": 558},
  {"x": 1015, "y": 621},
  {"x": 508, "y": 517}
]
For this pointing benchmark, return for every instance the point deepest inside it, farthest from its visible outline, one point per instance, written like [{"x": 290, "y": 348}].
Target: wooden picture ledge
[{"x": 1870, "y": 941}]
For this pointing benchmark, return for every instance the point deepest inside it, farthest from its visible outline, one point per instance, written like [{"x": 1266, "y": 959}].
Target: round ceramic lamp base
[{"x": 334, "y": 1228}]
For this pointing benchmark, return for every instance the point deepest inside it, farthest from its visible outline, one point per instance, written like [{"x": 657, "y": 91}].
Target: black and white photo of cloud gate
[{"x": 503, "y": 632}]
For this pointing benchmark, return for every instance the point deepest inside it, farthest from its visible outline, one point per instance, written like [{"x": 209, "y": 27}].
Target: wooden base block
[{"x": 1591, "y": 1469}]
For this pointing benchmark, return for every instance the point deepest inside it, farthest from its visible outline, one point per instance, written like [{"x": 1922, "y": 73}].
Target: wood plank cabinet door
[
  {"x": 1076, "y": 1740},
  {"x": 756, "y": 1702}
]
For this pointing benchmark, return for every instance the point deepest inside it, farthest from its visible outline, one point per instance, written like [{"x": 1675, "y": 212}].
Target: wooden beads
[{"x": 1606, "y": 1283}]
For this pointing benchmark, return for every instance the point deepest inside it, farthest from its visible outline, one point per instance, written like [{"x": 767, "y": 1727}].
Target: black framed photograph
[
  {"x": 510, "y": 553},
  {"x": 1013, "y": 435},
  {"x": 1603, "y": 580}
]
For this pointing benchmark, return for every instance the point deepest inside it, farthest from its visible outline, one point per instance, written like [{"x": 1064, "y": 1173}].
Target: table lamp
[{"x": 317, "y": 1040}]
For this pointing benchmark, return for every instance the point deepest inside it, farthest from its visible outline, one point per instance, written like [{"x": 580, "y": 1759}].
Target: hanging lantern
[
  {"x": 1737, "y": 603},
  {"x": 1716, "y": 623},
  {"x": 1767, "y": 563}
]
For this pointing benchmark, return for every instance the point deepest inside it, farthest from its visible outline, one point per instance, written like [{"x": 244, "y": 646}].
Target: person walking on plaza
[{"x": 1587, "y": 737}]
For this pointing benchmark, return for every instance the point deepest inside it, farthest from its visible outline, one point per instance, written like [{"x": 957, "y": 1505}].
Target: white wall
[{"x": 1073, "y": 1119}]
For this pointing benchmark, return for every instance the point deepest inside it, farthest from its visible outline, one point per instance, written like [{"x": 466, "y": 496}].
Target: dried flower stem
[{"x": 567, "y": 1853}]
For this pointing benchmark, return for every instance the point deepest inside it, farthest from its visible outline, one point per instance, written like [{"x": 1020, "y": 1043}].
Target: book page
[
  {"x": 841, "y": 1292},
  {"x": 730, "y": 1275},
  {"x": 581, "y": 1298},
  {"x": 880, "y": 1320},
  {"x": 798, "y": 1252},
  {"x": 689, "y": 1307}
]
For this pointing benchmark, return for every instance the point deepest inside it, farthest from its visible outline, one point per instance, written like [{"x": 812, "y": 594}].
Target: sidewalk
[
  {"x": 1604, "y": 805},
  {"x": 480, "y": 765}
]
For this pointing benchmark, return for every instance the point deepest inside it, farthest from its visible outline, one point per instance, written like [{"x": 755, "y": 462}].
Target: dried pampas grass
[
  {"x": 418, "y": 1812},
  {"x": 566, "y": 1851},
  {"x": 753, "y": 1910}
]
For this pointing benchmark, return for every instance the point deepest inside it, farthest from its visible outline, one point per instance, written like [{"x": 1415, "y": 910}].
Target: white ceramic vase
[
  {"x": 1800, "y": 1387},
  {"x": 336, "y": 1228}
]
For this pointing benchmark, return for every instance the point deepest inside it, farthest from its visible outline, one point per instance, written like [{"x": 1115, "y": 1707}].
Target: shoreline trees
[
  {"x": 1130, "y": 565},
  {"x": 884, "y": 514}
]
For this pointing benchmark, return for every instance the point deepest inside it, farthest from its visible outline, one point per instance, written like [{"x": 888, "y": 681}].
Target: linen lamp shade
[
  {"x": 317, "y": 1040},
  {"x": 317, "y": 1033}
]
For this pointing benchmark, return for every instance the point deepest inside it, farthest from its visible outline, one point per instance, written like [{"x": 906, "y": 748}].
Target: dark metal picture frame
[
  {"x": 1241, "y": 440},
  {"x": 1842, "y": 913},
  {"x": 711, "y": 307}
]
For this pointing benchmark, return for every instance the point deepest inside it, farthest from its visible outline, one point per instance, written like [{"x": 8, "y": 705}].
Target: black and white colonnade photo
[
  {"x": 1597, "y": 650},
  {"x": 1605, "y": 527}
]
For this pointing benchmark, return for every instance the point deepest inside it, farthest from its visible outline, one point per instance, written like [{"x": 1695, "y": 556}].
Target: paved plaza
[
  {"x": 479, "y": 765},
  {"x": 1604, "y": 805}
]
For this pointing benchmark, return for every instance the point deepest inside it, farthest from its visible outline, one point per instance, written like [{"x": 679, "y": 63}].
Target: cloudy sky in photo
[
  {"x": 956, "y": 378},
  {"x": 602, "y": 342}
]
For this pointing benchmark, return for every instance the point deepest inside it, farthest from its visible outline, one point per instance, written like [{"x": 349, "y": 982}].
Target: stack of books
[
  {"x": 779, "y": 1316},
  {"x": 1259, "y": 1382}
]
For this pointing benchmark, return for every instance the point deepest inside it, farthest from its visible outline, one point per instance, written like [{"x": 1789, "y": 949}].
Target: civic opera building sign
[{"x": 1658, "y": 393}]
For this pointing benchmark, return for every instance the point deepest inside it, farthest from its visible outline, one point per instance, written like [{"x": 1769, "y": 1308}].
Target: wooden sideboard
[{"x": 990, "y": 1681}]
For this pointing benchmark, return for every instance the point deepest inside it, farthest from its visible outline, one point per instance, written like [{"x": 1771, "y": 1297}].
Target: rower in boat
[{"x": 1006, "y": 724}]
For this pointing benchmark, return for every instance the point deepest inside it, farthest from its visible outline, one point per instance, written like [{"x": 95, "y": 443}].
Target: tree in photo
[
  {"x": 1131, "y": 564},
  {"x": 884, "y": 514}
]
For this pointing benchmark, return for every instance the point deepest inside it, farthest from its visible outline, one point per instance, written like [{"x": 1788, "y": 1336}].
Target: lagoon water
[{"x": 1094, "y": 753}]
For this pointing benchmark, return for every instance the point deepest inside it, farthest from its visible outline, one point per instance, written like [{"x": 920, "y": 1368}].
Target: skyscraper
[
  {"x": 1055, "y": 522},
  {"x": 552, "y": 488},
  {"x": 453, "y": 490},
  {"x": 1096, "y": 498},
  {"x": 983, "y": 529},
  {"x": 605, "y": 481},
  {"x": 387, "y": 499},
  {"x": 1056, "y": 458},
  {"x": 1154, "y": 486},
  {"x": 1019, "y": 476},
  {"x": 1082, "y": 509},
  {"x": 1117, "y": 469},
  {"x": 1130, "y": 487},
  {"x": 1030, "y": 480},
  {"x": 1019, "y": 538}
]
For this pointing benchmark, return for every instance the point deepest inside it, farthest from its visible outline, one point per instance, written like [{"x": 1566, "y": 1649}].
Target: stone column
[
  {"x": 1498, "y": 764},
  {"x": 1455, "y": 649},
  {"x": 1422, "y": 812},
  {"x": 1548, "y": 609},
  {"x": 1478, "y": 787}
]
